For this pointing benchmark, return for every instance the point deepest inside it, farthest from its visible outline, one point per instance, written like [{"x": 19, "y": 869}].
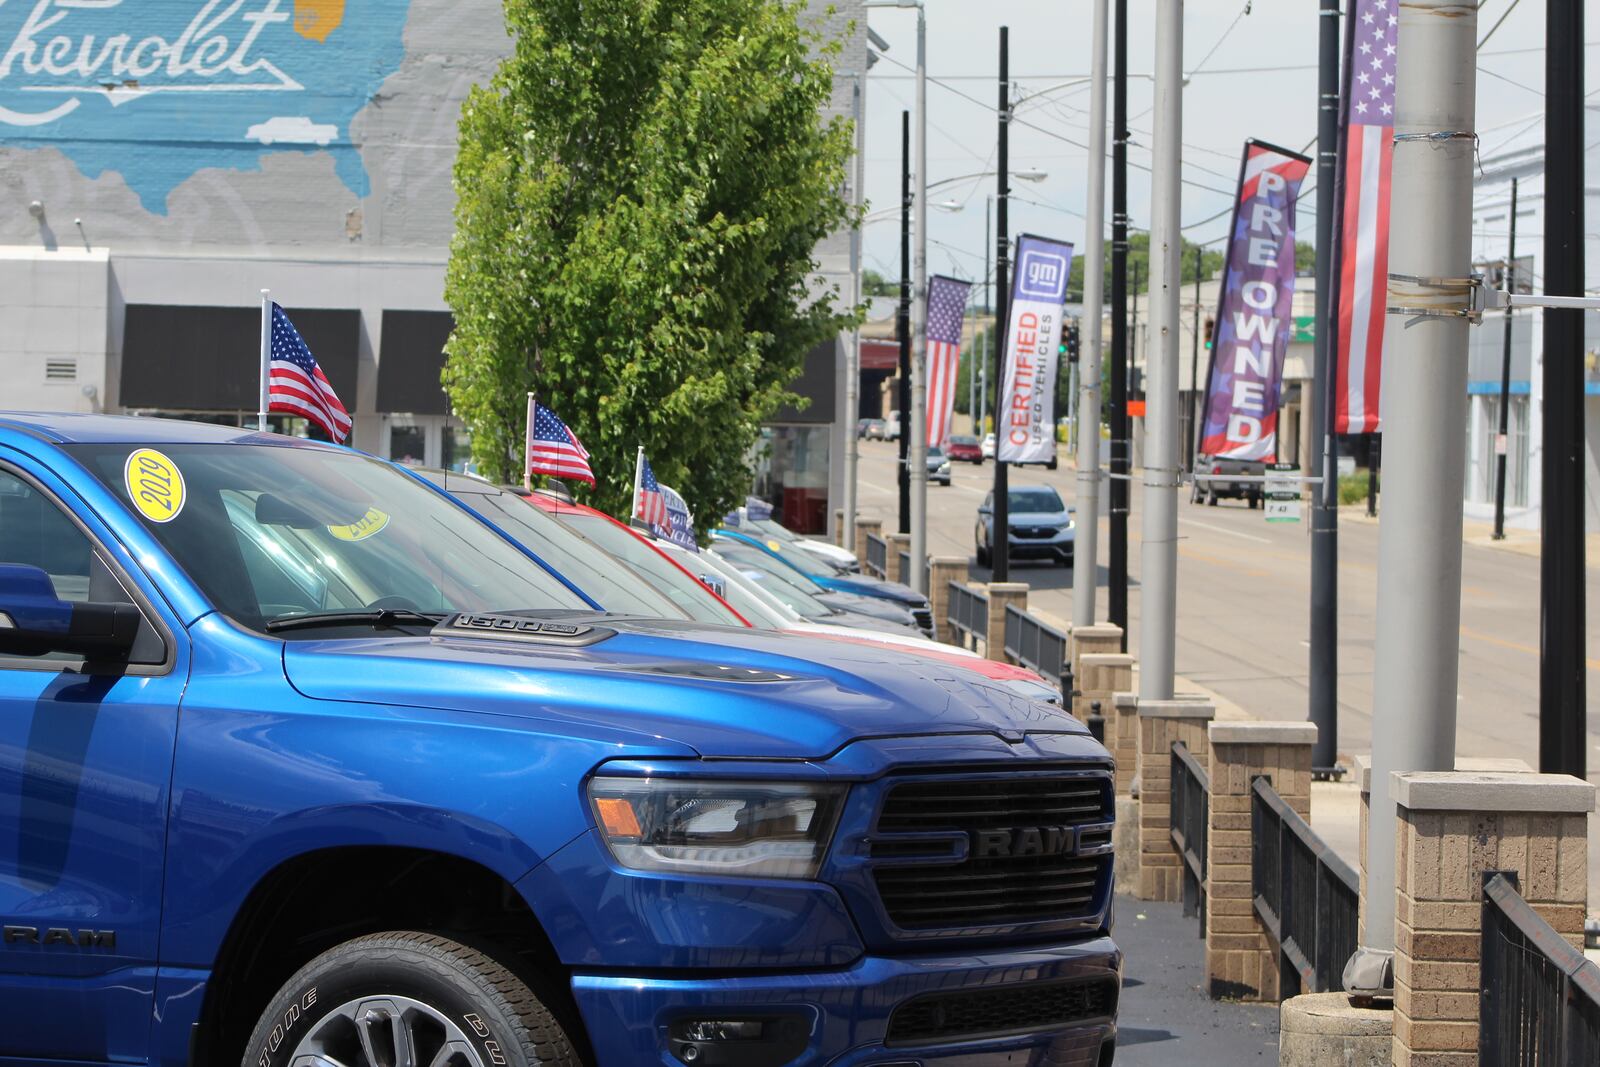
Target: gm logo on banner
[{"x": 1042, "y": 275}]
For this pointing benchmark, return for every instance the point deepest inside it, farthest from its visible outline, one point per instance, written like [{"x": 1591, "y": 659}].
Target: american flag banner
[
  {"x": 1366, "y": 152},
  {"x": 947, "y": 306},
  {"x": 552, "y": 448},
  {"x": 649, "y": 505},
  {"x": 296, "y": 384}
]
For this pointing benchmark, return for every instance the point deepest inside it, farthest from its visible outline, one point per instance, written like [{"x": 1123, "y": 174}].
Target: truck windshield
[{"x": 271, "y": 532}]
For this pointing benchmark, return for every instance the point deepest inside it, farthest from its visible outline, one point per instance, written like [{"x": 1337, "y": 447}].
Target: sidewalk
[
  {"x": 1481, "y": 534},
  {"x": 1166, "y": 1019}
]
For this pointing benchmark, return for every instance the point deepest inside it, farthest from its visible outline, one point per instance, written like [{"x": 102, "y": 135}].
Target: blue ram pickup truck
[{"x": 304, "y": 765}]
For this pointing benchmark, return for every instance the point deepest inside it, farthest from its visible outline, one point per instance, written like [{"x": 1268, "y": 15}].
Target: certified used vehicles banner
[
  {"x": 1253, "y": 314},
  {"x": 1027, "y": 424}
]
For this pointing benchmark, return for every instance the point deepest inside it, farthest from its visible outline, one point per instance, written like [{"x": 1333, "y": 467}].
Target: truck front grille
[
  {"x": 942, "y": 1017},
  {"x": 1037, "y": 850}
]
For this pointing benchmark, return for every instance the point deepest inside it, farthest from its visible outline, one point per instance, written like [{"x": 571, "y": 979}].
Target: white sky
[{"x": 1049, "y": 44}]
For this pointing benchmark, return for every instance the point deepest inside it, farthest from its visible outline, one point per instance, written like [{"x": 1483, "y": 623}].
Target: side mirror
[{"x": 34, "y": 621}]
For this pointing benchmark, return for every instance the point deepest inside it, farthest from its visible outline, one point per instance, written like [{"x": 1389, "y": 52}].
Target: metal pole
[
  {"x": 1085, "y": 552},
  {"x": 1374, "y": 461},
  {"x": 1425, "y": 401},
  {"x": 1500, "y": 441},
  {"x": 852, "y": 359},
  {"x": 988, "y": 343},
  {"x": 1117, "y": 583},
  {"x": 1190, "y": 445},
  {"x": 1561, "y": 573},
  {"x": 266, "y": 361},
  {"x": 1158, "y": 605},
  {"x": 903, "y": 325},
  {"x": 1000, "y": 538},
  {"x": 919, "y": 332},
  {"x": 1323, "y": 665}
]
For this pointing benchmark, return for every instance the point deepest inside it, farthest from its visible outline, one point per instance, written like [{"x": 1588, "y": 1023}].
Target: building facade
[{"x": 163, "y": 161}]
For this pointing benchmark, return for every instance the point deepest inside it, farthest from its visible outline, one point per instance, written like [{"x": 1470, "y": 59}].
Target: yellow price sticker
[
  {"x": 369, "y": 524},
  {"x": 155, "y": 485},
  {"x": 774, "y": 546}
]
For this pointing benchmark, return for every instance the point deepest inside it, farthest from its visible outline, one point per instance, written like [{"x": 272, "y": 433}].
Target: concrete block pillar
[
  {"x": 1363, "y": 775},
  {"x": 1001, "y": 594},
  {"x": 863, "y": 528},
  {"x": 1161, "y": 722},
  {"x": 1100, "y": 638},
  {"x": 1122, "y": 737},
  {"x": 942, "y": 570},
  {"x": 1241, "y": 961},
  {"x": 1454, "y": 826},
  {"x": 898, "y": 543},
  {"x": 1096, "y": 678}
]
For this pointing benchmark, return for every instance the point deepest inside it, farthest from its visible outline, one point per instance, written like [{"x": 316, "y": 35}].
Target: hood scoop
[{"x": 522, "y": 629}]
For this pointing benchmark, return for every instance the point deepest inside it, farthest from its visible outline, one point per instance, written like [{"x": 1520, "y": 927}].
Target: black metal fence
[
  {"x": 877, "y": 559},
  {"x": 968, "y": 614},
  {"x": 1306, "y": 896},
  {"x": 1038, "y": 646},
  {"x": 1191, "y": 810},
  {"x": 1540, "y": 998},
  {"x": 905, "y": 571}
]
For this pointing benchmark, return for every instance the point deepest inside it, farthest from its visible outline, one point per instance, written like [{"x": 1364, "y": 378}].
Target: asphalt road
[{"x": 1243, "y": 608}]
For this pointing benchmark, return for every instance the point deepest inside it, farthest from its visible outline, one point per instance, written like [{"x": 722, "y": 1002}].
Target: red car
[{"x": 964, "y": 447}]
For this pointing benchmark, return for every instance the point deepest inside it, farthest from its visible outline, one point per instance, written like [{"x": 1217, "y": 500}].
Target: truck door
[{"x": 85, "y": 773}]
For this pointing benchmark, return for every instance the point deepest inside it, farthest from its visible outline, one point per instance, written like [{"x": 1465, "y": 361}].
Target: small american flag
[
  {"x": 1367, "y": 155},
  {"x": 297, "y": 386},
  {"x": 648, "y": 503},
  {"x": 947, "y": 305},
  {"x": 552, "y": 448}
]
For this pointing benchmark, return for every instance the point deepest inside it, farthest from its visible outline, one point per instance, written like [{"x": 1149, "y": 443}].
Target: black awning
[
  {"x": 209, "y": 358},
  {"x": 410, "y": 359}
]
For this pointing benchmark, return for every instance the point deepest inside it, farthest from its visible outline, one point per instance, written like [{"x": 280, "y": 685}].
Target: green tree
[
  {"x": 639, "y": 192},
  {"x": 875, "y": 284}
]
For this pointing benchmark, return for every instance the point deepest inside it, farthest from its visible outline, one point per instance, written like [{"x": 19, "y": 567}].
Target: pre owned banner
[
  {"x": 682, "y": 532},
  {"x": 1253, "y": 314},
  {"x": 1027, "y": 429}
]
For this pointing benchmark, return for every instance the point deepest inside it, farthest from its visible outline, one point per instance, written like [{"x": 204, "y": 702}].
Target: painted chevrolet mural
[
  {"x": 304, "y": 764},
  {"x": 156, "y": 91}
]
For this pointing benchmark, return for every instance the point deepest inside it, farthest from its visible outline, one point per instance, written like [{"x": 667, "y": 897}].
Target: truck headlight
[{"x": 732, "y": 829}]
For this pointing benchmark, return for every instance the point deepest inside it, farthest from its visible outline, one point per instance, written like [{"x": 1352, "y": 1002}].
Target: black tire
[
  {"x": 1211, "y": 498},
  {"x": 497, "y": 1013},
  {"x": 983, "y": 556},
  {"x": 1255, "y": 501}
]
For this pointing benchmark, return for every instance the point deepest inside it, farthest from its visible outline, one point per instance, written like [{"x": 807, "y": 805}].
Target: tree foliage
[{"x": 640, "y": 190}]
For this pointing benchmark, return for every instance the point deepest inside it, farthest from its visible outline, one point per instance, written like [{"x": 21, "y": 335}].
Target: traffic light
[
  {"x": 1069, "y": 342},
  {"x": 1211, "y": 332}
]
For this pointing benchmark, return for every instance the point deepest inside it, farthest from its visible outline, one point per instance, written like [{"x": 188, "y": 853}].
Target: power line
[{"x": 1231, "y": 26}]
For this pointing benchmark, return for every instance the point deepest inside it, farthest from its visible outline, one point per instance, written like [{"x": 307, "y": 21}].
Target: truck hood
[{"x": 722, "y": 692}]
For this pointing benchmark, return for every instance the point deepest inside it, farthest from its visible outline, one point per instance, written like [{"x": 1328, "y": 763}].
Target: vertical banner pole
[
  {"x": 266, "y": 360},
  {"x": 902, "y": 424},
  {"x": 917, "y": 422},
  {"x": 1117, "y": 491},
  {"x": 1000, "y": 519},
  {"x": 1085, "y": 552},
  {"x": 1501, "y": 444},
  {"x": 638, "y": 480}
]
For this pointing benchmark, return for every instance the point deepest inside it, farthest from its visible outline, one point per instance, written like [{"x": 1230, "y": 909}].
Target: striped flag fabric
[
  {"x": 1366, "y": 160},
  {"x": 649, "y": 505},
  {"x": 947, "y": 306},
  {"x": 296, "y": 384},
  {"x": 552, "y": 448}
]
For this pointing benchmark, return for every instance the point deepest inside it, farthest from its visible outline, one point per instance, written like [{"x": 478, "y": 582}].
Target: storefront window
[
  {"x": 457, "y": 449},
  {"x": 408, "y": 444},
  {"x": 798, "y": 477}
]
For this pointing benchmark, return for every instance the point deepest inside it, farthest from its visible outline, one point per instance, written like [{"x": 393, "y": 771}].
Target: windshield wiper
[{"x": 381, "y": 619}]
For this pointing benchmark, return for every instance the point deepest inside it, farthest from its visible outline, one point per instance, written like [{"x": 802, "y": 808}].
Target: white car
[
  {"x": 988, "y": 446},
  {"x": 292, "y": 130}
]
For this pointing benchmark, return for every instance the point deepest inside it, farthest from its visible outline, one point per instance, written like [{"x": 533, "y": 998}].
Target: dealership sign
[
  {"x": 1026, "y": 431},
  {"x": 158, "y": 92}
]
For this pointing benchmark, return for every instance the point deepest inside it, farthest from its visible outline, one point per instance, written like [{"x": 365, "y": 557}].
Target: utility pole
[
  {"x": 1085, "y": 552},
  {"x": 919, "y": 329},
  {"x": 1133, "y": 331},
  {"x": 1117, "y": 583},
  {"x": 1561, "y": 575},
  {"x": 1500, "y": 441},
  {"x": 1000, "y": 538},
  {"x": 1425, "y": 407},
  {"x": 1190, "y": 446},
  {"x": 983, "y": 364},
  {"x": 903, "y": 324},
  {"x": 1158, "y": 610},
  {"x": 1323, "y": 679},
  {"x": 852, "y": 361},
  {"x": 1374, "y": 461}
]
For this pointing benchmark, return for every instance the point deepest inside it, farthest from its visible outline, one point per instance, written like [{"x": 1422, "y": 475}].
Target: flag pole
[
  {"x": 638, "y": 477},
  {"x": 266, "y": 359},
  {"x": 527, "y": 446}
]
